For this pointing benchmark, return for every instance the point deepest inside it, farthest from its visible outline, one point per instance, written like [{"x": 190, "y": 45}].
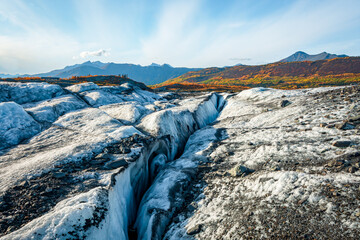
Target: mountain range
[
  {"x": 154, "y": 73},
  {"x": 151, "y": 74},
  {"x": 337, "y": 71},
  {"x": 302, "y": 56}
]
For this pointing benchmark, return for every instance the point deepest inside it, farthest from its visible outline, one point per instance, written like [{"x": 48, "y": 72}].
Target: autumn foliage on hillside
[{"x": 291, "y": 75}]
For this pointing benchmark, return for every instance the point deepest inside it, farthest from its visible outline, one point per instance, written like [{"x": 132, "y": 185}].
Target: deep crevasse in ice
[
  {"x": 176, "y": 125},
  {"x": 75, "y": 129}
]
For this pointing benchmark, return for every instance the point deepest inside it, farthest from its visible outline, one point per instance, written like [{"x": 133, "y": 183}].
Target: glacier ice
[
  {"x": 28, "y": 92},
  {"x": 127, "y": 112},
  {"x": 48, "y": 111},
  {"x": 78, "y": 127},
  {"x": 15, "y": 124},
  {"x": 82, "y": 87},
  {"x": 130, "y": 157}
]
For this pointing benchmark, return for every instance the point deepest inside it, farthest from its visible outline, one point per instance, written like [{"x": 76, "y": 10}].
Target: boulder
[{"x": 240, "y": 171}]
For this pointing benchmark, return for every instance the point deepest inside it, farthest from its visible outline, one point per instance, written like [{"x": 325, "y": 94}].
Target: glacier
[
  {"x": 123, "y": 162},
  {"x": 81, "y": 127}
]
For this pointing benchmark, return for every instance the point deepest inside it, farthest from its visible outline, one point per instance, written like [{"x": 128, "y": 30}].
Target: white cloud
[{"x": 98, "y": 53}]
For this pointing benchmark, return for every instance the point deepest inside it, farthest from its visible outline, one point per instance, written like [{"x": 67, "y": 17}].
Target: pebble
[
  {"x": 343, "y": 143},
  {"x": 352, "y": 169},
  {"x": 240, "y": 170},
  {"x": 59, "y": 175},
  {"x": 285, "y": 103},
  {"x": 124, "y": 149},
  {"x": 24, "y": 184},
  {"x": 116, "y": 164},
  {"x": 344, "y": 126},
  {"x": 336, "y": 163},
  {"x": 194, "y": 230}
]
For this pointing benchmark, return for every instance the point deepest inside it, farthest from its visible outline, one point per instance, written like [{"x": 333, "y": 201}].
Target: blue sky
[{"x": 42, "y": 35}]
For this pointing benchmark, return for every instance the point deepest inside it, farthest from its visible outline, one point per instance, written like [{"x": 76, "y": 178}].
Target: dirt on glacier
[{"x": 306, "y": 181}]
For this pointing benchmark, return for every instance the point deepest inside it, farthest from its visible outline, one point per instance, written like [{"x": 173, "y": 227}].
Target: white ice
[
  {"x": 28, "y": 92},
  {"x": 15, "y": 124}
]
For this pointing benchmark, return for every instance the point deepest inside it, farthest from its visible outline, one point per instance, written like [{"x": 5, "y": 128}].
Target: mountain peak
[
  {"x": 301, "y": 52},
  {"x": 303, "y": 56}
]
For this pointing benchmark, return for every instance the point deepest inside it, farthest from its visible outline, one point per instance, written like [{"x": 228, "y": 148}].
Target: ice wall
[{"x": 171, "y": 127}]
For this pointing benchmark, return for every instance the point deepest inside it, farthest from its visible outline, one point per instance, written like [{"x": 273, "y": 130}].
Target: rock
[
  {"x": 124, "y": 149},
  {"x": 335, "y": 194},
  {"x": 285, "y": 103},
  {"x": 354, "y": 118},
  {"x": 192, "y": 207},
  {"x": 353, "y": 107},
  {"x": 48, "y": 189},
  {"x": 59, "y": 175},
  {"x": 104, "y": 156},
  {"x": 24, "y": 184},
  {"x": 176, "y": 219},
  {"x": 4, "y": 206},
  {"x": 35, "y": 186},
  {"x": 240, "y": 171},
  {"x": 344, "y": 126},
  {"x": 116, "y": 164},
  {"x": 352, "y": 169},
  {"x": 343, "y": 143},
  {"x": 336, "y": 163},
  {"x": 194, "y": 230},
  {"x": 276, "y": 168}
]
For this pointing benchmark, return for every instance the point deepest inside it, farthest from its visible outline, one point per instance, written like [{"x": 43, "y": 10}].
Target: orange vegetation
[{"x": 292, "y": 75}]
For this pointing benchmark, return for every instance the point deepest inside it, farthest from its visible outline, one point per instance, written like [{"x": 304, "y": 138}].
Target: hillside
[
  {"x": 338, "y": 71},
  {"x": 151, "y": 74},
  {"x": 302, "y": 56}
]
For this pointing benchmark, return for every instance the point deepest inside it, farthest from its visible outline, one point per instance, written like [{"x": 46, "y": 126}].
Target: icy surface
[
  {"x": 127, "y": 113},
  {"x": 28, "y": 92},
  {"x": 119, "y": 161},
  {"x": 82, "y": 87},
  {"x": 97, "y": 98},
  {"x": 302, "y": 185},
  {"x": 73, "y": 137},
  {"x": 72, "y": 213},
  {"x": 15, "y": 124},
  {"x": 181, "y": 121},
  {"x": 49, "y": 111}
]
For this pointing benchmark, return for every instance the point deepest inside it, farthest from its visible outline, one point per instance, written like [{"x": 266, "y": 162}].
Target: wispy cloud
[
  {"x": 98, "y": 53},
  {"x": 239, "y": 59}
]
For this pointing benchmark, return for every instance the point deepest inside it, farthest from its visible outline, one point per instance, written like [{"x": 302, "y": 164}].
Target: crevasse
[{"x": 138, "y": 200}]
